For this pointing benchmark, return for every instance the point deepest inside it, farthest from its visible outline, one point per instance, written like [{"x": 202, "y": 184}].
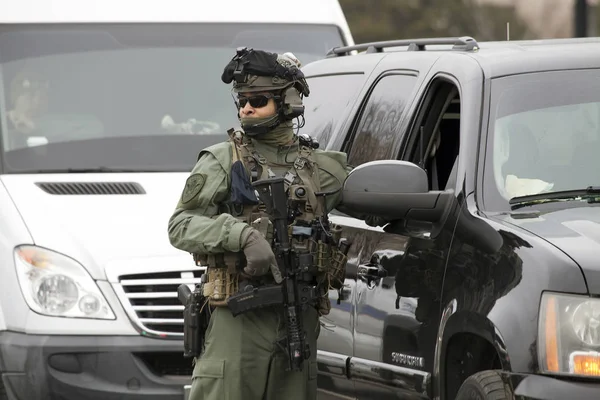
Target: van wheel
[{"x": 485, "y": 385}]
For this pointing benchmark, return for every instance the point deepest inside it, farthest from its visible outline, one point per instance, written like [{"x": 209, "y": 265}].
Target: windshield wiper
[{"x": 591, "y": 194}]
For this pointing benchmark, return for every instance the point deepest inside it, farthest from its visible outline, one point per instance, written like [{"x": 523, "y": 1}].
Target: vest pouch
[
  {"x": 222, "y": 278},
  {"x": 337, "y": 272}
]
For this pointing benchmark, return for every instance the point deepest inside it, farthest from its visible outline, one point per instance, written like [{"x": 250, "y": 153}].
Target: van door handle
[{"x": 371, "y": 271}]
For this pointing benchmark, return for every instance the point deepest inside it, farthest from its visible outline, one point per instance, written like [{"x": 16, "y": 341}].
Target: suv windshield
[
  {"x": 544, "y": 135},
  {"x": 127, "y": 96}
]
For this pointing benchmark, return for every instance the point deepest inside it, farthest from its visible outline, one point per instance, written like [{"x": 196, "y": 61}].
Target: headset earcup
[{"x": 292, "y": 104}]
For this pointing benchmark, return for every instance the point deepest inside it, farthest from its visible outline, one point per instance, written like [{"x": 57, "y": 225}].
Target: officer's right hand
[{"x": 259, "y": 256}]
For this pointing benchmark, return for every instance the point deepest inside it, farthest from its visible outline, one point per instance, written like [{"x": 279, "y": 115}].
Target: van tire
[{"x": 485, "y": 385}]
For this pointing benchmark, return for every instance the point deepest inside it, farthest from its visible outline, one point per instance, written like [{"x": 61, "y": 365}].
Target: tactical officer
[{"x": 219, "y": 220}]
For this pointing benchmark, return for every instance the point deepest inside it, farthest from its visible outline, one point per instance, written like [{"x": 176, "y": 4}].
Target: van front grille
[{"x": 151, "y": 299}]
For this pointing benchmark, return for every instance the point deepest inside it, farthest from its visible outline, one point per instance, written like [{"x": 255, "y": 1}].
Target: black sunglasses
[{"x": 256, "y": 101}]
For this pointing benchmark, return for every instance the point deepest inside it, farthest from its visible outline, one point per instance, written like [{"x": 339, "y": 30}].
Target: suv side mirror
[{"x": 394, "y": 190}]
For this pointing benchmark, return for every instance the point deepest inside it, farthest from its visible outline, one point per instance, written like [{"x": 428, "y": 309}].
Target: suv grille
[{"x": 152, "y": 300}]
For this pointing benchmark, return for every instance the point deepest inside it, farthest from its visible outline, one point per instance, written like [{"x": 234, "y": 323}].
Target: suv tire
[{"x": 484, "y": 385}]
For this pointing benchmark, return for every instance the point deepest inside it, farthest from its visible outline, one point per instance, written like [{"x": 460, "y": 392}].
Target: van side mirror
[{"x": 394, "y": 190}]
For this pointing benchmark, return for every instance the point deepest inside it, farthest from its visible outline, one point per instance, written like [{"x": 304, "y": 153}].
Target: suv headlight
[
  {"x": 569, "y": 335},
  {"x": 56, "y": 285}
]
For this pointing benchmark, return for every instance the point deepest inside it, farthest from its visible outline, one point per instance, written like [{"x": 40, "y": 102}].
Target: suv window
[
  {"x": 378, "y": 125},
  {"x": 435, "y": 136},
  {"x": 540, "y": 141},
  {"x": 329, "y": 96}
]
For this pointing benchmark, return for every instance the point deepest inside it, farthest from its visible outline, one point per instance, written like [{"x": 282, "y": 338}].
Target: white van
[{"x": 104, "y": 107}]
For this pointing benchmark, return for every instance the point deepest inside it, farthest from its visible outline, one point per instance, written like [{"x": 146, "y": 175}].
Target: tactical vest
[{"x": 302, "y": 185}]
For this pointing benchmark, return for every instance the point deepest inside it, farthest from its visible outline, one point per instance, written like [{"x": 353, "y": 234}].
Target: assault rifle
[{"x": 294, "y": 293}]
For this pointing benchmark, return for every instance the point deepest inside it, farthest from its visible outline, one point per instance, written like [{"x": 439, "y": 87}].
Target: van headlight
[
  {"x": 56, "y": 285},
  {"x": 569, "y": 335}
]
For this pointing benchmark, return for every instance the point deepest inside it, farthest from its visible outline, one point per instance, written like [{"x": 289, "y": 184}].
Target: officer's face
[{"x": 256, "y": 105}]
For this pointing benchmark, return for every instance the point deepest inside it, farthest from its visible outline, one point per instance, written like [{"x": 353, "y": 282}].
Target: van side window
[{"x": 378, "y": 125}]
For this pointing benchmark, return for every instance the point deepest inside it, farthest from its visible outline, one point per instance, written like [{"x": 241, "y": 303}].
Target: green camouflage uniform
[{"x": 241, "y": 359}]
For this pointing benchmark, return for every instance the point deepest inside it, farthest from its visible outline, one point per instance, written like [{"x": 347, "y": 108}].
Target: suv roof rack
[{"x": 464, "y": 43}]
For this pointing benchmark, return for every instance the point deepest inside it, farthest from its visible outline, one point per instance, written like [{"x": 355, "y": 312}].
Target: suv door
[
  {"x": 401, "y": 268},
  {"x": 324, "y": 113},
  {"x": 376, "y": 133}
]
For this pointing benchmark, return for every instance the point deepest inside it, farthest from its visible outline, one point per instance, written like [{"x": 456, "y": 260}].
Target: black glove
[{"x": 259, "y": 256}]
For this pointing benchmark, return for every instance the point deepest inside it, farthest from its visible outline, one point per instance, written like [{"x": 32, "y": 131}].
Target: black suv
[{"x": 479, "y": 275}]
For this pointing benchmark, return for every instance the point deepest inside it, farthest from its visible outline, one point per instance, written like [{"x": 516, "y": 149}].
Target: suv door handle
[{"x": 371, "y": 271}]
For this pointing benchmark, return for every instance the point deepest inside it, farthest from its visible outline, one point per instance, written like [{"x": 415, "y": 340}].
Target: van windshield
[{"x": 135, "y": 97}]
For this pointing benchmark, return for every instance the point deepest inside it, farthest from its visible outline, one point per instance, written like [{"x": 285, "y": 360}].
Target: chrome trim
[
  {"x": 332, "y": 364},
  {"x": 412, "y": 380},
  {"x": 118, "y": 268},
  {"x": 155, "y": 295},
  {"x": 158, "y": 308},
  {"x": 136, "y": 322},
  {"x": 148, "y": 282},
  {"x": 164, "y": 321},
  {"x": 135, "y": 312}
]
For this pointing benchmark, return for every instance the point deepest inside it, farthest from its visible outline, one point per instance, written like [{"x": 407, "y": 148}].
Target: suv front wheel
[{"x": 484, "y": 385}]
